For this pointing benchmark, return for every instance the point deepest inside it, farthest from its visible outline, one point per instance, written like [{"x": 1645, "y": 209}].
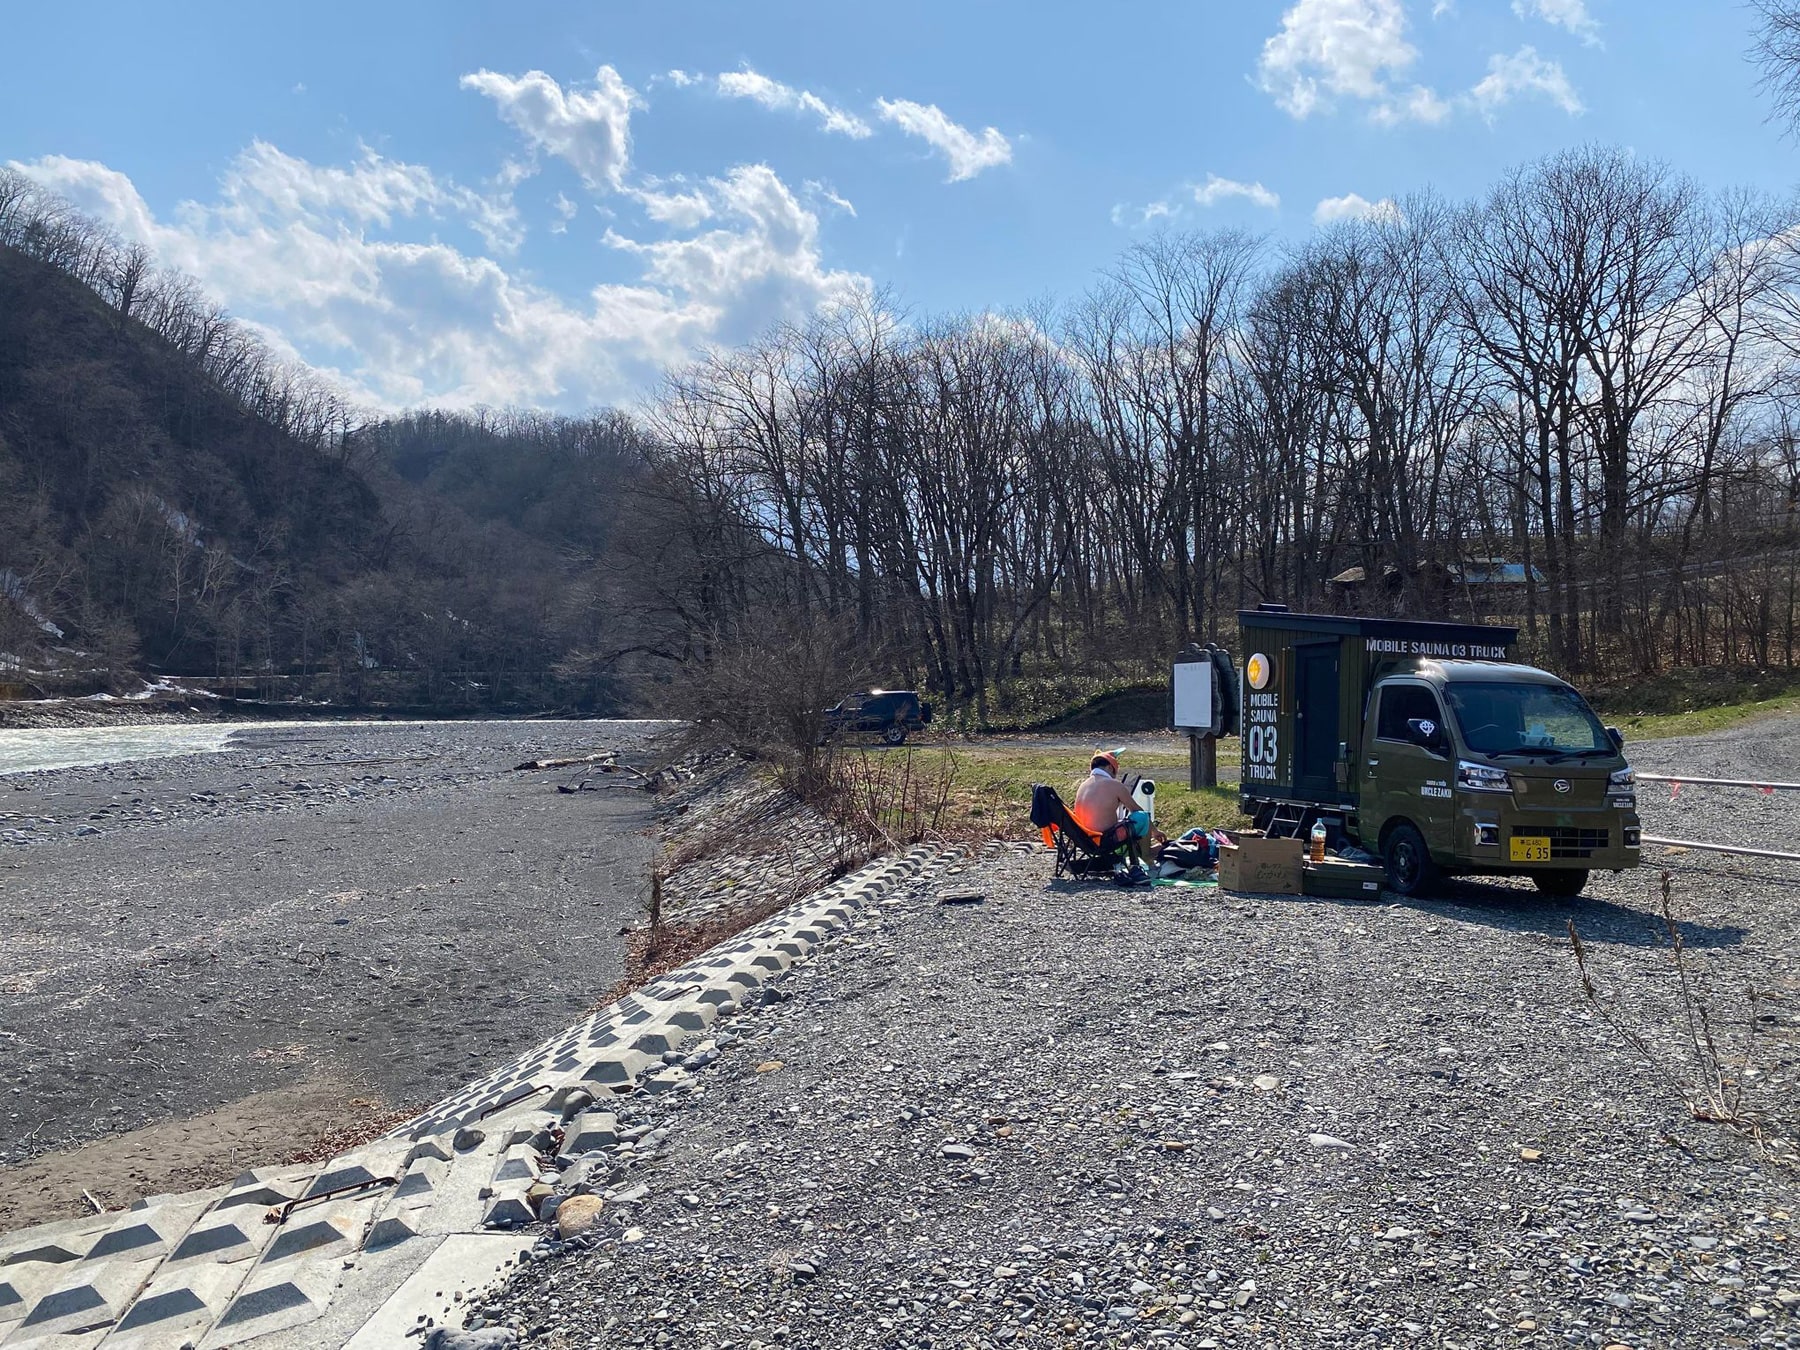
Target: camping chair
[{"x": 1079, "y": 853}]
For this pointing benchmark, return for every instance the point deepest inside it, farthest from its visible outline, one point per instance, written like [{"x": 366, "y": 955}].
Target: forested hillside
[{"x": 175, "y": 502}]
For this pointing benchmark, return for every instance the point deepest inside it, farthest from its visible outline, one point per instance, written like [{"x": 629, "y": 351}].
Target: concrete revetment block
[
  {"x": 87, "y": 1298},
  {"x": 591, "y": 1131},
  {"x": 316, "y": 1233},
  {"x": 275, "y": 1300},
  {"x": 177, "y": 1308}
]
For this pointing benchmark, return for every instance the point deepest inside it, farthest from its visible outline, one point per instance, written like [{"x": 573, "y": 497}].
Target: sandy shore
[{"x": 325, "y": 915}]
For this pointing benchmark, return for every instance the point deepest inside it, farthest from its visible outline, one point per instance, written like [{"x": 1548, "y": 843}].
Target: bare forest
[{"x": 1573, "y": 404}]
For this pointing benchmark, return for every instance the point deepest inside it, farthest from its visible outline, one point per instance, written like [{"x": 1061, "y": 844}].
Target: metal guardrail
[
  {"x": 1722, "y": 848},
  {"x": 1678, "y": 781},
  {"x": 1683, "y": 780}
]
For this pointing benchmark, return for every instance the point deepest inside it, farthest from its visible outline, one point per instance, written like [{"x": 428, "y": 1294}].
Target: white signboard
[{"x": 1194, "y": 696}]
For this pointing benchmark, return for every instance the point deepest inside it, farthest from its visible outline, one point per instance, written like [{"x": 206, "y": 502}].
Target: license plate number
[{"x": 1531, "y": 848}]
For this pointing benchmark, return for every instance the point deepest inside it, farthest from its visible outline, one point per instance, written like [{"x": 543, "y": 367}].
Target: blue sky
[{"x": 548, "y": 203}]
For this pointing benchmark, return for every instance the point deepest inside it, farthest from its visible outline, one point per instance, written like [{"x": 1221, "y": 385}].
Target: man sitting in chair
[{"x": 1101, "y": 802}]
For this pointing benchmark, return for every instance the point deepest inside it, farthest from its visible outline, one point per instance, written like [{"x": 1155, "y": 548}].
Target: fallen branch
[
  {"x": 1717, "y": 1096},
  {"x": 566, "y": 761}
]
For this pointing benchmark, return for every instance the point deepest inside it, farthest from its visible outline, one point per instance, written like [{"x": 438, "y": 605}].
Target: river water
[{"x": 22, "y": 751}]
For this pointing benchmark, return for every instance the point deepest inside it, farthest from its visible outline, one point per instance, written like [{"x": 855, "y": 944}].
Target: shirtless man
[{"x": 1101, "y": 802}]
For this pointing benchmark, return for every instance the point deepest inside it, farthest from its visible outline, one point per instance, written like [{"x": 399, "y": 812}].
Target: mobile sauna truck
[{"x": 1425, "y": 744}]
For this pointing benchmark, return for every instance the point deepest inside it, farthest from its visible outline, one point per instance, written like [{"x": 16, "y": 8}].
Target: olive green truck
[{"x": 1425, "y": 744}]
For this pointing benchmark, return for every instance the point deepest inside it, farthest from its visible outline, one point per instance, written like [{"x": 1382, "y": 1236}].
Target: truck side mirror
[
  {"x": 1617, "y": 737},
  {"x": 1426, "y": 734}
]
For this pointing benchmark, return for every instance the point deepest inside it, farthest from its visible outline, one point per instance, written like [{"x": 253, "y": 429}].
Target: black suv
[{"x": 889, "y": 713}]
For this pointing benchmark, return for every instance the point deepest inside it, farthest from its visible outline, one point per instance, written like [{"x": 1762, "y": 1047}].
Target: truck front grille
[{"x": 1566, "y": 841}]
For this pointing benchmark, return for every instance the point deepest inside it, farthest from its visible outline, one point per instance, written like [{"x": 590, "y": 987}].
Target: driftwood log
[{"x": 602, "y": 757}]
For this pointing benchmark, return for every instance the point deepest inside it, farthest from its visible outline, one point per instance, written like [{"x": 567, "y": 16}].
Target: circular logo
[
  {"x": 1257, "y": 668},
  {"x": 1428, "y": 726},
  {"x": 1562, "y": 785}
]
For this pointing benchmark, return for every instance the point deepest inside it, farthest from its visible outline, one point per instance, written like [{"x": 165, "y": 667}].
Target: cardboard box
[
  {"x": 1339, "y": 879},
  {"x": 1266, "y": 866}
]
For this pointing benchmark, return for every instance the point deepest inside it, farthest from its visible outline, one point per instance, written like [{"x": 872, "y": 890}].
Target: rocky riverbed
[
  {"x": 1068, "y": 1115},
  {"x": 322, "y": 924}
]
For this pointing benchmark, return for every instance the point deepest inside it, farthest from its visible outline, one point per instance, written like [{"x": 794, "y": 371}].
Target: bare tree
[{"x": 1776, "y": 54}]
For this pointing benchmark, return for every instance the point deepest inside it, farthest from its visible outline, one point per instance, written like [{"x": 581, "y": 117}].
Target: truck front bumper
[{"x": 1494, "y": 839}]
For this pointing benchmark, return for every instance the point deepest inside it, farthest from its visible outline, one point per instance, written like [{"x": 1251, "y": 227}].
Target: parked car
[{"x": 889, "y": 713}]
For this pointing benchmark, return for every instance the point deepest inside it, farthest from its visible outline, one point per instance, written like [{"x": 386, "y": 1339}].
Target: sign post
[
  {"x": 1203, "y": 761},
  {"x": 1205, "y": 697}
]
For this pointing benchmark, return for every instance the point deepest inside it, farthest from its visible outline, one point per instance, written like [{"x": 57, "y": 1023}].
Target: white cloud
[
  {"x": 825, "y": 193},
  {"x": 681, "y": 210},
  {"x": 1216, "y": 189},
  {"x": 1334, "y": 51},
  {"x": 1417, "y": 104},
  {"x": 1354, "y": 206},
  {"x": 681, "y": 79},
  {"x": 1343, "y": 49},
  {"x": 1524, "y": 72},
  {"x": 589, "y": 129},
  {"x": 372, "y": 191},
  {"x": 773, "y": 254},
  {"x": 305, "y": 252},
  {"x": 967, "y": 153},
  {"x": 565, "y": 212},
  {"x": 1568, "y": 14},
  {"x": 1210, "y": 193},
  {"x": 1123, "y": 213},
  {"x": 779, "y": 97}
]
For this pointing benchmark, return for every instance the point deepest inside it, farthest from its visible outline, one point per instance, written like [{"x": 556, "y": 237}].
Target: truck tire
[
  {"x": 1409, "y": 866},
  {"x": 1565, "y": 885},
  {"x": 894, "y": 734}
]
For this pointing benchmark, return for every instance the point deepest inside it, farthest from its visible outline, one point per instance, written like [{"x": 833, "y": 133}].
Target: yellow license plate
[{"x": 1530, "y": 848}]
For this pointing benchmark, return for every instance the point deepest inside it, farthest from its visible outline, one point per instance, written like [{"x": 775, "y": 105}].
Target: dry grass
[
  {"x": 888, "y": 799},
  {"x": 376, "y": 1118}
]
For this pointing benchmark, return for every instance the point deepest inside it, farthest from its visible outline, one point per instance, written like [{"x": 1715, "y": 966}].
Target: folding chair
[{"x": 1079, "y": 853}]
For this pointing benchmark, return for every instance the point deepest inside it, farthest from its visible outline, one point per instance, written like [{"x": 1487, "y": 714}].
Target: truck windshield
[{"x": 1526, "y": 719}]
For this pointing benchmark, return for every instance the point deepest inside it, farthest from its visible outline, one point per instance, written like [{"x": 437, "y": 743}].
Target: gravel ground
[
  {"x": 384, "y": 906},
  {"x": 1072, "y": 1115}
]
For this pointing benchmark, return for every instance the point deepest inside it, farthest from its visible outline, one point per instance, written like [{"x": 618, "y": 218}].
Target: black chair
[{"x": 1079, "y": 853}]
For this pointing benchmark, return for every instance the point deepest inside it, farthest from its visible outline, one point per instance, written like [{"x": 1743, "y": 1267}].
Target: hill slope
[{"x": 153, "y": 522}]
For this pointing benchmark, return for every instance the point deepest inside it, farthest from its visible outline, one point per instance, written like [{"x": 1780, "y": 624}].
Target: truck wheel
[
  {"x": 1409, "y": 866},
  {"x": 895, "y": 734},
  {"x": 1567, "y": 885}
]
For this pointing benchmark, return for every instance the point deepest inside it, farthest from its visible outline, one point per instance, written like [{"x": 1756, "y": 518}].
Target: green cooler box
[{"x": 1337, "y": 879}]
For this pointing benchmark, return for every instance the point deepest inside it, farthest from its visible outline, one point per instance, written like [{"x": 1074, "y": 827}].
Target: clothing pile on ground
[{"x": 1194, "y": 857}]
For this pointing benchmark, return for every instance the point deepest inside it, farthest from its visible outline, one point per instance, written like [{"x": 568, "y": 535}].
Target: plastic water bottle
[{"x": 1317, "y": 850}]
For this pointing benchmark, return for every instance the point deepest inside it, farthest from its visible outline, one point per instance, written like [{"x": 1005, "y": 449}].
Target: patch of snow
[{"x": 12, "y": 587}]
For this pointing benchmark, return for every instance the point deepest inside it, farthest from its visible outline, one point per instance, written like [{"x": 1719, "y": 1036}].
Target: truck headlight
[
  {"x": 1621, "y": 789},
  {"x": 1481, "y": 778}
]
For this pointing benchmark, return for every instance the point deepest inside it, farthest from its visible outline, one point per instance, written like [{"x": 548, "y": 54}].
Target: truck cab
[
  {"x": 1426, "y": 745},
  {"x": 1472, "y": 766}
]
